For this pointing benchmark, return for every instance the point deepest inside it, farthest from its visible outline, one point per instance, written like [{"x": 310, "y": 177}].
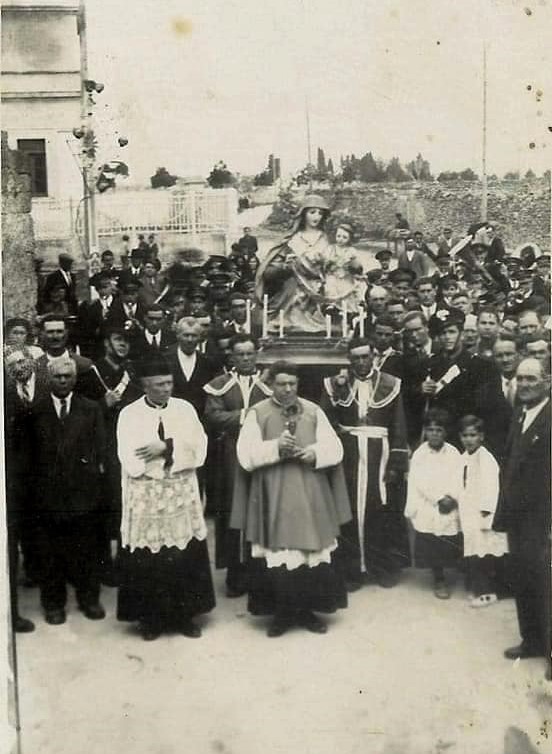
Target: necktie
[
  {"x": 510, "y": 392},
  {"x": 465, "y": 478},
  {"x": 63, "y": 409},
  {"x": 25, "y": 390},
  {"x": 161, "y": 430}
]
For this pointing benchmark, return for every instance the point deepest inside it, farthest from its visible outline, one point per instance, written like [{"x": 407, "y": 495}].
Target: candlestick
[
  {"x": 328, "y": 325},
  {"x": 248, "y": 316},
  {"x": 344, "y": 315},
  {"x": 265, "y": 315},
  {"x": 281, "y": 323}
]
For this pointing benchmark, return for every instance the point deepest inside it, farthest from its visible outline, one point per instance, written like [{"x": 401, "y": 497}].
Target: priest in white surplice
[{"x": 166, "y": 578}]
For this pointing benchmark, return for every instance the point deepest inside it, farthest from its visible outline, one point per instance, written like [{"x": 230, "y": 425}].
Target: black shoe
[
  {"x": 351, "y": 585},
  {"x": 190, "y": 630},
  {"x": 23, "y": 625},
  {"x": 149, "y": 633},
  {"x": 109, "y": 578},
  {"x": 312, "y": 623},
  {"x": 233, "y": 593},
  {"x": 388, "y": 579},
  {"x": 93, "y": 612},
  {"x": 522, "y": 652},
  {"x": 55, "y": 617},
  {"x": 279, "y": 625}
]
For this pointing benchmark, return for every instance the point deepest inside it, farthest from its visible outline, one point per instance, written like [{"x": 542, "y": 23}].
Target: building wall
[
  {"x": 18, "y": 257},
  {"x": 41, "y": 86},
  {"x": 520, "y": 209}
]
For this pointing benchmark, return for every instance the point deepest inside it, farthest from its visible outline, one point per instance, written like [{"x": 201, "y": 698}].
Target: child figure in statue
[
  {"x": 344, "y": 274},
  {"x": 295, "y": 274}
]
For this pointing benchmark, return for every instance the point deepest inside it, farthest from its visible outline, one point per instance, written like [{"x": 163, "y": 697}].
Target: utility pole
[
  {"x": 307, "y": 116},
  {"x": 484, "y": 145},
  {"x": 87, "y": 160}
]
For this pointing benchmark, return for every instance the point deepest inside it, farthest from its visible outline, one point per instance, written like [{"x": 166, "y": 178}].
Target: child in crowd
[
  {"x": 432, "y": 501},
  {"x": 477, "y": 503}
]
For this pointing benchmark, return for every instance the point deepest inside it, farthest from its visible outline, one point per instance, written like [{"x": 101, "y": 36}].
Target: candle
[
  {"x": 361, "y": 322},
  {"x": 281, "y": 323},
  {"x": 344, "y": 315},
  {"x": 328, "y": 325},
  {"x": 248, "y": 316},
  {"x": 265, "y": 315}
]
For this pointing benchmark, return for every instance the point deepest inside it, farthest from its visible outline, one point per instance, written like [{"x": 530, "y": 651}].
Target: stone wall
[
  {"x": 520, "y": 209},
  {"x": 18, "y": 246}
]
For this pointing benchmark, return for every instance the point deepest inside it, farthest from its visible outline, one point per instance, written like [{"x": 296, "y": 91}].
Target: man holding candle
[{"x": 365, "y": 407}]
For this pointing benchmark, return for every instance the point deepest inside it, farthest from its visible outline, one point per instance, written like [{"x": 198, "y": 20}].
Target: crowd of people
[{"x": 137, "y": 412}]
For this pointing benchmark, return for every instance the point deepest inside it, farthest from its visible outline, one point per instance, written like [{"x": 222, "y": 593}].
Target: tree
[
  {"x": 368, "y": 170},
  {"x": 452, "y": 175},
  {"x": 162, "y": 179},
  {"x": 511, "y": 175},
  {"x": 330, "y": 167},
  {"x": 349, "y": 170},
  {"x": 420, "y": 169},
  {"x": 220, "y": 176},
  {"x": 395, "y": 171},
  {"x": 530, "y": 175},
  {"x": 320, "y": 161}
]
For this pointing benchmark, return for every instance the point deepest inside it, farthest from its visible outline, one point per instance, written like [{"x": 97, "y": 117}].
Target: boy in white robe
[{"x": 477, "y": 501}]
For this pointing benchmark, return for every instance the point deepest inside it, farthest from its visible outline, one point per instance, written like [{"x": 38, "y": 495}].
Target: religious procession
[{"x": 305, "y": 422}]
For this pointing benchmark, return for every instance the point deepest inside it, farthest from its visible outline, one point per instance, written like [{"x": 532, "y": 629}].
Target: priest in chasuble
[{"x": 291, "y": 504}]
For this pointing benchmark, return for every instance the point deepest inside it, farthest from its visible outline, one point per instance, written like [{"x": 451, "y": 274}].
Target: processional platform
[
  {"x": 316, "y": 356},
  {"x": 303, "y": 349}
]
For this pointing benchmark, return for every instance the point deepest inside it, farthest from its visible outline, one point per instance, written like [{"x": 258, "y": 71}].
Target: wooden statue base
[
  {"x": 317, "y": 357},
  {"x": 303, "y": 349}
]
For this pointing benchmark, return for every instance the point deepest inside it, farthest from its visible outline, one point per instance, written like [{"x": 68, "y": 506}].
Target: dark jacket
[
  {"x": 66, "y": 457},
  {"x": 525, "y": 480},
  {"x": 192, "y": 390},
  {"x": 141, "y": 348},
  {"x": 57, "y": 278},
  {"x": 88, "y": 383}
]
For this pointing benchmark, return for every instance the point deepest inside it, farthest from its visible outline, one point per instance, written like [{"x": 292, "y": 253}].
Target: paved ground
[{"x": 398, "y": 673}]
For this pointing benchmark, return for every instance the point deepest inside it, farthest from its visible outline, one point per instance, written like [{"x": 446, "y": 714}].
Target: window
[{"x": 35, "y": 149}]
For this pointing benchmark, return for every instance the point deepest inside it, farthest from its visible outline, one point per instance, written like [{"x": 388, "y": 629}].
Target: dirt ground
[{"x": 399, "y": 672}]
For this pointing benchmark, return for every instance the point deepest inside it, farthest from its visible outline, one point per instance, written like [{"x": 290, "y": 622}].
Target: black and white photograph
[{"x": 276, "y": 335}]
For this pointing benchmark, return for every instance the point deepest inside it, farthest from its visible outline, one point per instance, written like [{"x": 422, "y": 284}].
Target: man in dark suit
[
  {"x": 506, "y": 358},
  {"x": 524, "y": 509},
  {"x": 63, "y": 276},
  {"x": 54, "y": 336},
  {"x": 417, "y": 351},
  {"x": 413, "y": 260},
  {"x": 190, "y": 369},
  {"x": 23, "y": 389},
  {"x": 126, "y": 309},
  {"x": 156, "y": 337},
  {"x": 121, "y": 387},
  {"x": 66, "y": 443},
  {"x": 92, "y": 316}
]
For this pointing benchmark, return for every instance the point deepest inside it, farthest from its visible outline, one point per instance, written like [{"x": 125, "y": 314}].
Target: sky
[{"x": 190, "y": 82}]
